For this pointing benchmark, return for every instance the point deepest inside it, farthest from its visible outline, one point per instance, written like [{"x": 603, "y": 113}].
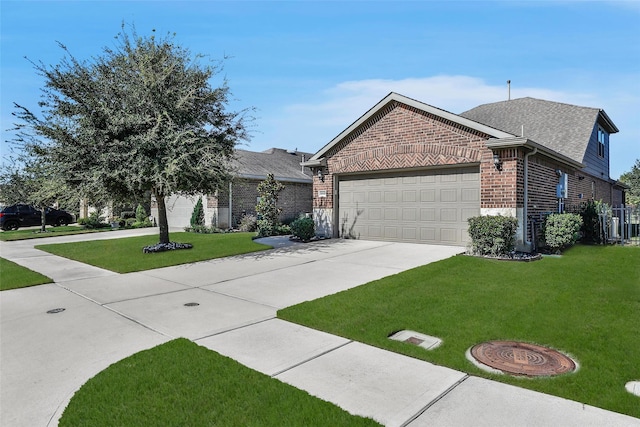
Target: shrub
[
  {"x": 303, "y": 228},
  {"x": 93, "y": 221},
  {"x": 492, "y": 235},
  {"x": 248, "y": 223},
  {"x": 197, "y": 216},
  {"x": 590, "y": 221},
  {"x": 127, "y": 214},
  {"x": 141, "y": 220},
  {"x": 596, "y": 219},
  {"x": 282, "y": 230},
  {"x": 561, "y": 230},
  {"x": 203, "y": 229}
]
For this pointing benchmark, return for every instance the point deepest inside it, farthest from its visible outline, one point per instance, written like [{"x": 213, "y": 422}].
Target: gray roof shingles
[
  {"x": 563, "y": 128},
  {"x": 283, "y": 164}
]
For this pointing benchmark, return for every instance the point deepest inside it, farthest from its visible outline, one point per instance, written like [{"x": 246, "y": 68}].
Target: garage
[{"x": 420, "y": 206}]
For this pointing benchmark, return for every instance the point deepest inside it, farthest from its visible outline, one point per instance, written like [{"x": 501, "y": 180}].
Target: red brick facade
[{"x": 400, "y": 136}]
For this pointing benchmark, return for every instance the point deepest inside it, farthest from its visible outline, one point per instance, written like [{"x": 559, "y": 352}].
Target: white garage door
[{"x": 418, "y": 207}]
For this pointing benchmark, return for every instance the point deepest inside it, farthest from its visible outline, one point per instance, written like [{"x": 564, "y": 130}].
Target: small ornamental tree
[
  {"x": 267, "y": 207},
  {"x": 142, "y": 219},
  {"x": 197, "y": 216}
]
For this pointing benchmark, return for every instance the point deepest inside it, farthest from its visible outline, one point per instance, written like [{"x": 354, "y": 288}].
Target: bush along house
[{"x": 406, "y": 171}]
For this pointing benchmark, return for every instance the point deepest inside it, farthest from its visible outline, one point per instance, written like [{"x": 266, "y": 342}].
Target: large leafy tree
[
  {"x": 632, "y": 179},
  {"x": 142, "y": 116}
]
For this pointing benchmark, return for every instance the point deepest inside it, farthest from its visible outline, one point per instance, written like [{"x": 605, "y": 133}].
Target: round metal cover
[
  {"x": 521, "y": 358},
  {"x": 55, "y": 310}
]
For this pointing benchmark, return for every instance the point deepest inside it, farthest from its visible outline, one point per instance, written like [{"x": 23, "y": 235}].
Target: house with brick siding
[
  {"x": 225, "y": 208},
  {"x": 407, "y": 171}
]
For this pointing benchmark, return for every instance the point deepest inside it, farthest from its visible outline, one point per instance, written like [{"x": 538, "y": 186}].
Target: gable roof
[
  {"x": 563, "y": 128},
  {"x": 283, "y": 164},
  {"x": 317, "y": 158}
]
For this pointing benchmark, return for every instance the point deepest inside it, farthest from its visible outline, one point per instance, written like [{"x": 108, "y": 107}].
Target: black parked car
[{"x": 16, "y": 216}]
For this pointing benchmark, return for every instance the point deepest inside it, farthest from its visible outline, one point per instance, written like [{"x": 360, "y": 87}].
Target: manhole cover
[
  {"x": 522, "y": 358},
  {"x": 191, "y": 304},
  {"x": 55, "y": 310}
]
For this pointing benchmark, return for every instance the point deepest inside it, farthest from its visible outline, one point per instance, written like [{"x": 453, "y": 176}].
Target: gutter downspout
[
  {"x": 230, "y": 204},
  {"x": 525, "y": 209}
]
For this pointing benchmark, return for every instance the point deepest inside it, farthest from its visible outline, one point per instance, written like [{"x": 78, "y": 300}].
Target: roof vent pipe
[{"x": 509, "y": 90}]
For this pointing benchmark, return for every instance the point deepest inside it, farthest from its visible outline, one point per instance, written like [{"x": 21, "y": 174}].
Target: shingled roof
[
  {"x": 564, "y": 128},
  {"x": 283, "y": 164}
]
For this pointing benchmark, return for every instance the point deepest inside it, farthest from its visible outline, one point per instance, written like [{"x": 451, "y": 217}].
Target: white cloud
[{"x": 311, "y": 124}]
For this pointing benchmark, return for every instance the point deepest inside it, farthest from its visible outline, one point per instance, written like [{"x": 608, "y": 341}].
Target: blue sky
[{"x": 312, "y": 68}]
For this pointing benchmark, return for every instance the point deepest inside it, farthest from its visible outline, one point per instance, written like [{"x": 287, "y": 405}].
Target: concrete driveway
[{"x": 229, "y": 305}]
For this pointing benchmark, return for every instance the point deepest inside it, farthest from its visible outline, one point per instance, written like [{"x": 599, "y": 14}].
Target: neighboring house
[
  {"x": 410, "y": 172},
  {"x": 225, "y": 208}
]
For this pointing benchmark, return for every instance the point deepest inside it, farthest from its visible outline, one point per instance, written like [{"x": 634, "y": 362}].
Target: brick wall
[
  {"x": 501, "y": 188},
  {"x": 542, "y": 185},
  {"x": 398, "y": 137},
  {"x": 294, "y": 199}
]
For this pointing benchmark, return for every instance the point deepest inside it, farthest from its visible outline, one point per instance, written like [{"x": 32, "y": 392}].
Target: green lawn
[
  {"x": 125, "y": 255},
  {"x": 585, "y": 303},
  {"x": 13, "y": 276},
  {"x": 31, "y": 233},
  {"x": 182, "y": 384}
]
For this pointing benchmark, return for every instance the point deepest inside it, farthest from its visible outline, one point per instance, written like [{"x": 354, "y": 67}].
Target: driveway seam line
[
  {"x": 311, "y": 358},
  {"x": 240, "y": 299},
  {"x": 235, "y": 328},
  {"x": 434, "y": 401}
]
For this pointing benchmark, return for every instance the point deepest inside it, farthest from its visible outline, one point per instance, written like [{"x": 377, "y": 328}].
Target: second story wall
[{"x": 596, "y": 157}]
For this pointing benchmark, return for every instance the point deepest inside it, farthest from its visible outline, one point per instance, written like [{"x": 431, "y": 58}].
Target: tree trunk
[
  {"x": 43, "y": 219},
  {"x": 163, "y": 224}
]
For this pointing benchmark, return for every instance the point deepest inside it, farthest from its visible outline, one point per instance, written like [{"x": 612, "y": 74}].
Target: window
[{"x": 602, "y": 142}]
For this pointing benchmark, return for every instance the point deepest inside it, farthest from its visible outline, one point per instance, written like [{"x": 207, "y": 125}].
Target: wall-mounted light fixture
[
  {"x": 496, "y": 161},
  {"x": 320, "y": 174}
]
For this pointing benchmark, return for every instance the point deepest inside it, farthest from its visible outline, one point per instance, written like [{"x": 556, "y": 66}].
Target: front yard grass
[
  {"x": 15, "y": 276},
  {"x": 585, "y": 303},
  {"x": 32, "y": 233},
  {"x": 182, "y": 384},
  {"x": 125, "y": 255}
]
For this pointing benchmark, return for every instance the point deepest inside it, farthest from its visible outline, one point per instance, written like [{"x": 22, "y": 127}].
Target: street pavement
[{"x": 46, "y": 357}]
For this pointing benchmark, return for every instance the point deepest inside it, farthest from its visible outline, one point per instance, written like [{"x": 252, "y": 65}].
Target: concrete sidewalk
[{"x": 108, "y": 316}]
